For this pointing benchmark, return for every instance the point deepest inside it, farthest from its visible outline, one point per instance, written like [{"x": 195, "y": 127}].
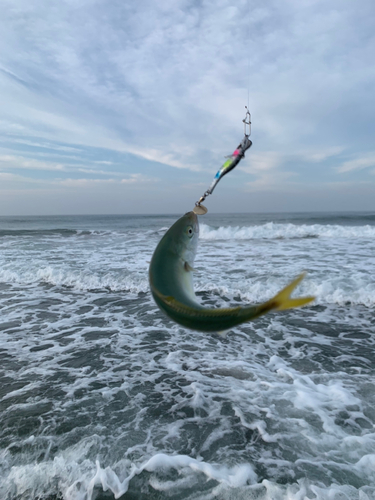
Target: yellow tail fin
[{"x": 283, "y": 301}]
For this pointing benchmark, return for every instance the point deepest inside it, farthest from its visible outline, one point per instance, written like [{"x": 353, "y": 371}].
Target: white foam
[
  {"x": 76, "y": 280},
  {"x": 272, "y": 230},
  {"x": 347, "y": 289},
  {"x": 326, "y": 290},
  {"x": 77, "y": 479},
  {"x": 289, "y": 397}
]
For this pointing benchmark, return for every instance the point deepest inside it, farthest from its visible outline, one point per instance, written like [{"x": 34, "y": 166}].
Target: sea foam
[
  {"x": 101, "y": 391},
  {"x": 273, "y": 230}
]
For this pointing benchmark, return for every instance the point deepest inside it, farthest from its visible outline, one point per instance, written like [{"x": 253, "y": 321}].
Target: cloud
[
  {"x": 261, "y": 162},
  {"x": 167, "y": 82},
  {"x": 133, "y": 179},
  {"x": 271, "y": 181},
  {"x": 11, "y": 162},
  {"x": 10, "y": 180},
  {"x": 171, "y": 159},
  {"x": 359, "y": 163},
  {"x": 20, "y": 162},
  {"x": 44, "y": 145},
  {"x": 172, "y": 75},
  {"x": 322, "y": 154}
]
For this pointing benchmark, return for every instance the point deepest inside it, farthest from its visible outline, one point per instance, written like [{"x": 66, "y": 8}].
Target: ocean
[{"x": 102, "y": 396}]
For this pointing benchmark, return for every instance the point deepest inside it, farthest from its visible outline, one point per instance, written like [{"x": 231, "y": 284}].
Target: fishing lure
[{"x": 232, "y": 161}]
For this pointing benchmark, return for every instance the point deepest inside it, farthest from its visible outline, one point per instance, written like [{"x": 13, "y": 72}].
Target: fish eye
[{"x": 189, "y": 231}]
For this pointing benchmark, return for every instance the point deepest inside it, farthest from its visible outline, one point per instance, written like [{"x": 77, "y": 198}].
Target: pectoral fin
[{"x": 188, "y": 267}]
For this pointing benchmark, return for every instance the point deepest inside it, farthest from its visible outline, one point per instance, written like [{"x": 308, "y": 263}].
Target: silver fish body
[{"x": 171, "y": 284}]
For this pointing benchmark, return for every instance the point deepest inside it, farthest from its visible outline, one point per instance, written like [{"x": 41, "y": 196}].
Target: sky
[{"x": 123, "y": 106}]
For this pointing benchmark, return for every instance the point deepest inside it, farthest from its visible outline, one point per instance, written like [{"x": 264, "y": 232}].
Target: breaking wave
[
  {"x": 272, "y": 230},
  {"x": 64, "y": 233},
  {"x": 352, "y": 290},
  {"x": 79, "y": 281},
  {"x": 239, "y": 481}
]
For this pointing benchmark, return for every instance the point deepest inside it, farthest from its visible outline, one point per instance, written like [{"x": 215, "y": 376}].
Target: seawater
[{"x": 104, "y": 397}]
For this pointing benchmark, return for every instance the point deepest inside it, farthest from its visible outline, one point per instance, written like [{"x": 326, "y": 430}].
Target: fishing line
[
  {"x": 239, "y": 152},
  {"x": 248, "y": 55}
]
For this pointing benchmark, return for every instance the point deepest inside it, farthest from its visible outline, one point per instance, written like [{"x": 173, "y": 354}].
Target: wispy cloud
[
  {"x": 261, "y": 162},
  {"x": 270, "y": 181},
  {"x": 167, "y": 82},
  {"x": 322, "y": 154},
  {"x": 358, "y": 163},
  {"x": 133, "y": 179},
  {"x": 44, "y": 145},
  {"x": 81, "y": 182},
  {"x": 11, "y": 162},
  {"x": 20, "y": 162}
]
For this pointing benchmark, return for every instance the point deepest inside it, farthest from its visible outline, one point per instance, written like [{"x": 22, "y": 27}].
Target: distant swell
[
  {"x": 37, "y": 232},
  {"x": 273, "y": 230},
  {"x": 51, "y": 232}
]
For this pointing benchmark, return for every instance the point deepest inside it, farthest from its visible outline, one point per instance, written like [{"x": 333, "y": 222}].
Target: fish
[{"x": 171, "y": 284}]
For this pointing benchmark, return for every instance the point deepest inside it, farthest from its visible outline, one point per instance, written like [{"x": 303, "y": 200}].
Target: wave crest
[
  {"x": 76, "y": 280},
  {"x": 272, "y": 230}
]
